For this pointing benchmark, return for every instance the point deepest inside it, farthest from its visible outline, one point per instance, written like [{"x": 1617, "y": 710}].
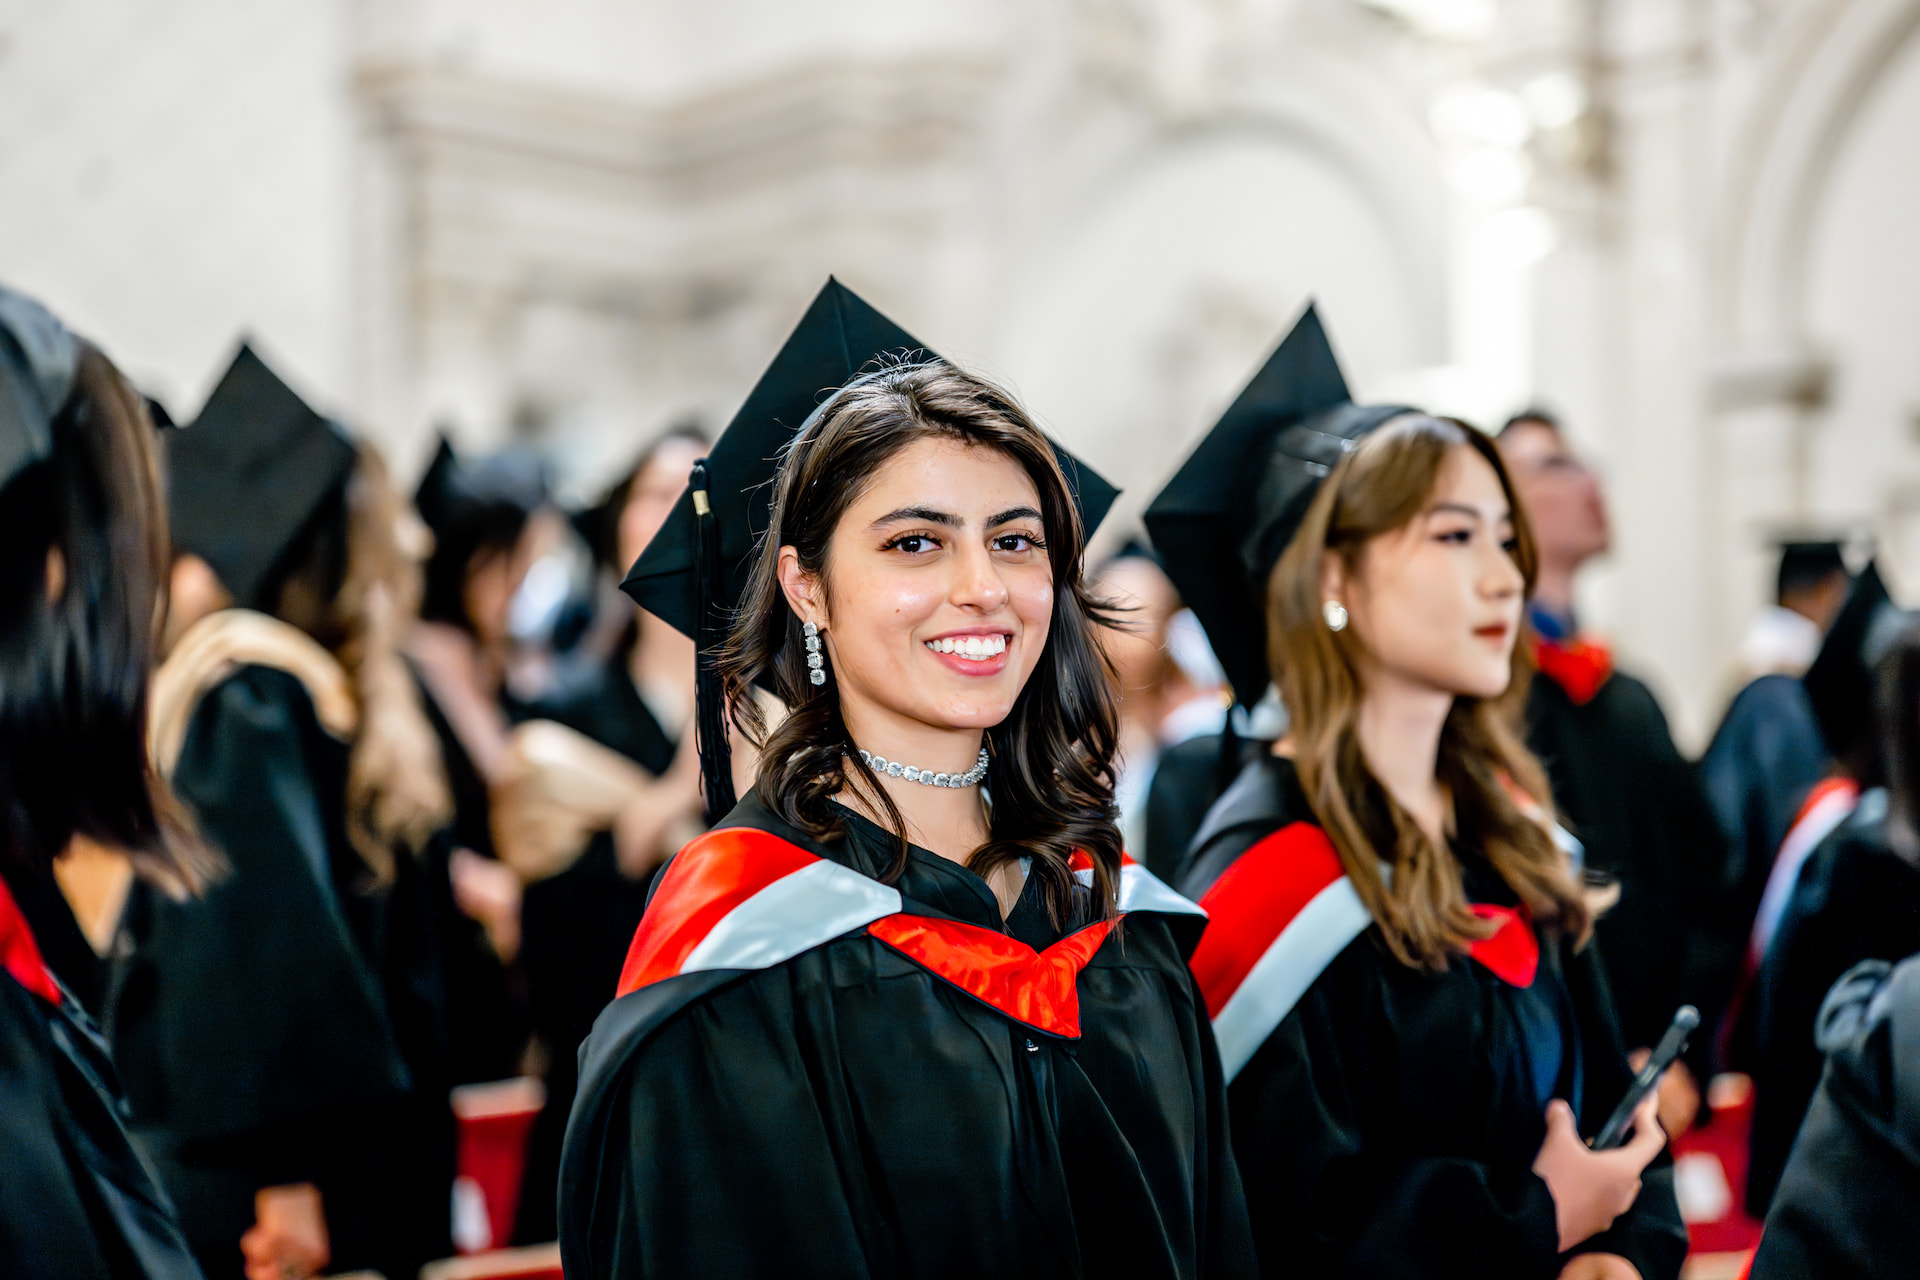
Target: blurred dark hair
[
  {"x": 477, "y": 510},
  {"x": 1897, "y": 713},
  {"x": 75, "y": 665},
  {"x": 599, "y": 525},
  {"x": 1533, "y": 414},
  {"x": 1804, "y": 566},
  {"x": 1052, "y": 757}
]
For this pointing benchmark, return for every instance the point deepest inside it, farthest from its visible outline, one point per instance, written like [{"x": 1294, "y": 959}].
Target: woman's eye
[
  {"x": 1457, "y": 537},
  {"x": 1511, "y": 546},
  {"x": 912, "y": 543},
  {"x": 1017, "y": 542}
]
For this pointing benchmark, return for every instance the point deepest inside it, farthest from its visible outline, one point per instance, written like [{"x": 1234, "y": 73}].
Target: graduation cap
[
  {"x": 1840, "y": 683},
  {"x": 695, "y": 569},
  {"x": 1222, "y": 522},
  {"x": 248, "y": 475},
  {"x": 39, "y": 360}
]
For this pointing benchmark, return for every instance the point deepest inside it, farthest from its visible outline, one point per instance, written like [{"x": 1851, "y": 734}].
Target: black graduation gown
[
  {"x": 848, "y": 1111},
  {"x": 1189, "y": 778},
  {"x": 486, "y": 1007},
  {"x": 1844, "y": 1209},
  {"x": 1387, "y": 1125},
  {"x": 1856, "y": 900},
  {"x": 75, "y": 1201},
  {"x": 1765, "y": 758},
  {"x": 287, "y": 1027},
  {"x": 575, "y": 926},
  {"x": 1637, "y": 807}
]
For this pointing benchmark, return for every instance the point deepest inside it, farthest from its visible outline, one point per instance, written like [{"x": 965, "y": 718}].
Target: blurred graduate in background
[
  {"x": 284, "y": 1039},
  {"x": 82, "y": 568}
]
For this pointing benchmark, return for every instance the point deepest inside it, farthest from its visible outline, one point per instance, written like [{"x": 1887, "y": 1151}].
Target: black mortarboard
[
  {"x": 1840, "y": 683},
  {"x": 1222, "y": 522},
  {"x": 249, "y": 474},
  {"x": 695, "y": 569},
  {"x": 38, "y": 362}
]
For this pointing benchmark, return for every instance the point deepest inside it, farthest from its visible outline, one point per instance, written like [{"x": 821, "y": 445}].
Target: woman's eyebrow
[
  {"x": 1463, "y": 509},
  {"x": 928, "y": 515},
  {"x": 1011, "y": 514}
]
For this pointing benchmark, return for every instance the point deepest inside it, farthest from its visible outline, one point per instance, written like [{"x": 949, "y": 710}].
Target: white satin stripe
[
  {"x": 1141, "y": 890},
  {"x": 793, "y": 914},
  {"x": 1278, "y": 979}
]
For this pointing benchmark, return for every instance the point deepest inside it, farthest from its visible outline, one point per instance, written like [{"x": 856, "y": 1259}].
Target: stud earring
[
  {"x": 1336, "y": 615},
  {"x": 816, "y": 661}
]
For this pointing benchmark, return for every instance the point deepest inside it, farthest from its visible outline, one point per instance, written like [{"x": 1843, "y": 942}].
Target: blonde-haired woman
[{"x": 1415, "y": 1033}]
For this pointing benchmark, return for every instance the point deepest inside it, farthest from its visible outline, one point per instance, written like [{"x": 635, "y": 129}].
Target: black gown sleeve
[{"x": 249, "y": 1021}]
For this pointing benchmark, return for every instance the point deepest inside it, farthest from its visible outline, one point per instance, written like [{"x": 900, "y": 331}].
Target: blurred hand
[
  {"x": 1599, "y": 1266},
  {"x": 288, "y": 1240},
  {"x": 1592, "y": 1188},
  {"x": 489, "y": 892},
  {"x": 1679, "y": 1094}
]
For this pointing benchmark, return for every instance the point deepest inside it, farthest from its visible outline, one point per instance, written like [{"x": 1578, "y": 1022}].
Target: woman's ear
[
  {"x": 1333, "y": 577},
  {"x": 801, "y": 588}
]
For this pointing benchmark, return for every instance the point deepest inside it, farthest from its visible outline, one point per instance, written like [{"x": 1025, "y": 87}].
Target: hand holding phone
[{"x": 1671, "y": 1046}]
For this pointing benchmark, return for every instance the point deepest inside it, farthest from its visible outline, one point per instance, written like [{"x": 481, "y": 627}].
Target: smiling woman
[{"x": 906, "y": 1010}]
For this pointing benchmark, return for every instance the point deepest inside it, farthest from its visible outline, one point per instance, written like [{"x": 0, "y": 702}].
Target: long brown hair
[
  {"x": 1498, "y": 789},
  {"x": 1052, "y": 757},
  {"x": 352, "y": 587},
  {"x": 76, "y": 663}
]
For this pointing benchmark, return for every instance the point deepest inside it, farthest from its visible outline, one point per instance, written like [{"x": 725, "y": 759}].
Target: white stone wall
[{"x": 1684, "y": 222}]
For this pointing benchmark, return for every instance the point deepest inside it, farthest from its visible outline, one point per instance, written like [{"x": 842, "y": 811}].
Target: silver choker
[{"x": 927, "y": 777}]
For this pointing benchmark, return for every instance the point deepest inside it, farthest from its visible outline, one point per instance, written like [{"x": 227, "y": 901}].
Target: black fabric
[
  {"x": 288, "y": 1026},
  {"x": 1766, "y": 756},
  {"x": 1187, "y": 780},
  {"x": 849, "y": 1113},
  {"x": 1388, "y": 1126},
  {"x": 1638, "y": 808},
  {"x": 575, "y": 927},
  {"x": 38, "y": 362},
  {"x": 1856, "y": 900},
  {"x": 74, "y": 1198},
  {"x": 62, "y": 945},
  {"x": 486, "y": 1007},
  {"x": 1845, "y": 1204}
]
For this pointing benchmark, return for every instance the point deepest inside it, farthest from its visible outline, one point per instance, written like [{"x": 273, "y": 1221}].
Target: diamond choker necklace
[{"x": 894, "y": 769}]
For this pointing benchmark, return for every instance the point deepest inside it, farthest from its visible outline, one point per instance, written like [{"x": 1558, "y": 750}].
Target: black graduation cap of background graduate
[
  {"x": 39, "y": 360},
  {"x": 1222, "y": 522},
  {"x": 695, "y": 569},
  {"x": 248, "y": 475},
  {"x": 1840, "y": 683}
]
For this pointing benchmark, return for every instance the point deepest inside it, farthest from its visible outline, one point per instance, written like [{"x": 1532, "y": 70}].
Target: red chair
[
  {"x": 494, "y": 1121},
  {"x": 540, "y": 1262}
]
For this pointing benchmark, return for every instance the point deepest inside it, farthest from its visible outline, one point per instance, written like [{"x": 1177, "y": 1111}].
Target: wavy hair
[
  {"x": 1499, "y": 791},
  {"x": 351, "y": 586},
  {"x": 1052, "y": 757}
]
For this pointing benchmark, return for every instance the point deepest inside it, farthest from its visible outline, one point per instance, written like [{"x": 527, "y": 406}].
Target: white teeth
[{"x": 976, "y": 647}]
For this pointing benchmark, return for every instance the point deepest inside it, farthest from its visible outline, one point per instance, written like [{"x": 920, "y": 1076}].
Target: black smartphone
[{"x": 1671, "y": 1046}]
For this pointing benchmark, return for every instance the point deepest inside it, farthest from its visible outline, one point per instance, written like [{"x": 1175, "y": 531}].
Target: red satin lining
[
  {"x": 1580, "y": 667},
  {"x": 708, "y": 879},
  {"x": 1038, "y": 988},
  {"x": 20, "y": 954},
  {"x": 1513, "y": 952},
  {"x": 1254, "y": 901}
]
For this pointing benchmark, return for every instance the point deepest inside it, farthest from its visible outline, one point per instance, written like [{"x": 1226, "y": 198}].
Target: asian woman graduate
[
  {"x": 1415, "y": 1032},
  {"x": 907, "y": 1010},
  {"x": 284, "y": 1038},
  {"x": 82, "y": 563}
]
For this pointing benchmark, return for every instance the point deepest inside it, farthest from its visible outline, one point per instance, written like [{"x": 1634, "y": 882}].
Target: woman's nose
[{"x": 977, "y": 582}]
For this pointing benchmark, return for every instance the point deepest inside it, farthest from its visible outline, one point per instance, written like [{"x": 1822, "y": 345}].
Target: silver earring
[
  {"x": 1336, "y": 615},
  {"x": 816, "y": 662}
]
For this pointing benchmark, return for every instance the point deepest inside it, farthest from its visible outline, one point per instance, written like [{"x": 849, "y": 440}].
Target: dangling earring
[
  {"x": 1336, "y": 615},
  {"x": 816, "y": 663}
]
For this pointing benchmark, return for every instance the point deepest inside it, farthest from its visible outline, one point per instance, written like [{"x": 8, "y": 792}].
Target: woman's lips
[
  {"x": 1498, "y": 632},
  {"x": 961, "y": 663}
]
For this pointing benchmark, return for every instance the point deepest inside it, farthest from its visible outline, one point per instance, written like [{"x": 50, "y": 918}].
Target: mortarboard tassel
[{"x": 710, "y": 702}]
